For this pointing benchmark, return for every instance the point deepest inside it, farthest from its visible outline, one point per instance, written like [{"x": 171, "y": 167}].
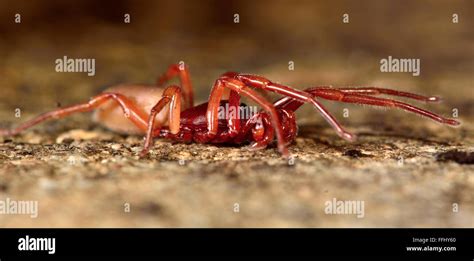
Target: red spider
[{"x": 201, "y": 123}]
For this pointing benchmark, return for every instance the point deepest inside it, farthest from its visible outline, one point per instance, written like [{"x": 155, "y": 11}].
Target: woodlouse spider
[{"x": 140, "y": 109}]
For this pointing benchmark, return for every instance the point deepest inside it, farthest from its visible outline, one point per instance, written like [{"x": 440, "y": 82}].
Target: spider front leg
[
  {"x": 292, "y": 104},
  {"x": 131, "y": 111},
  {"x": 350, "y": 96},
  {"x": 233, "y": 120},
  {"x": 171, "y": 96},
  {"x": 378, "y": 91},
  {"x": 181, "y": 71},
  {"x": 302, "y": 96},
  {"x": 212, "y": 114},
  {"x": 226, "y": 81}
]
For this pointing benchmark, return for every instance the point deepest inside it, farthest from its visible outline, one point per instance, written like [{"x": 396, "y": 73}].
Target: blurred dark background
[{"x": 204, "y": 35}]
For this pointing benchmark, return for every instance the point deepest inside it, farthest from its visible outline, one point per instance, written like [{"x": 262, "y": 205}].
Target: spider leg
[
  {"x": 265, "y": 84},
  {"x": 212, "y": 113},
  {"x": 234, "y": 122},
  {"x": 182, "y": 72},
  {"x": 130, "y": 110},
  {"x": 378, "y": 91},
  {"x": 233, "y": 119},
  {"x": 239, "y": 87},
  {"x": 172, "y": 96},
  {"x": 288, "y": 103},
  {"x": 341, "y": 96}
]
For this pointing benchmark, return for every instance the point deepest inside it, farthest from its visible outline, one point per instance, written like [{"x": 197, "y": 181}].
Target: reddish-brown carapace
[{"x": 170, "y": 113}]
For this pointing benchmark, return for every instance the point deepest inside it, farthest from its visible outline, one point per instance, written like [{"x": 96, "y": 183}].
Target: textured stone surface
[
  {"x": 408, "y": 170},
  {"x": 87, "y": 181}
]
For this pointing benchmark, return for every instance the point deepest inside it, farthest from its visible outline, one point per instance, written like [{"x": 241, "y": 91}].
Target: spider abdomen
[{"x": 144, "y": 97}]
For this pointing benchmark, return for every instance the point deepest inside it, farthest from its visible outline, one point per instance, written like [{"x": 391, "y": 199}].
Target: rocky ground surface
[{"x": 407, "y": 176}]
